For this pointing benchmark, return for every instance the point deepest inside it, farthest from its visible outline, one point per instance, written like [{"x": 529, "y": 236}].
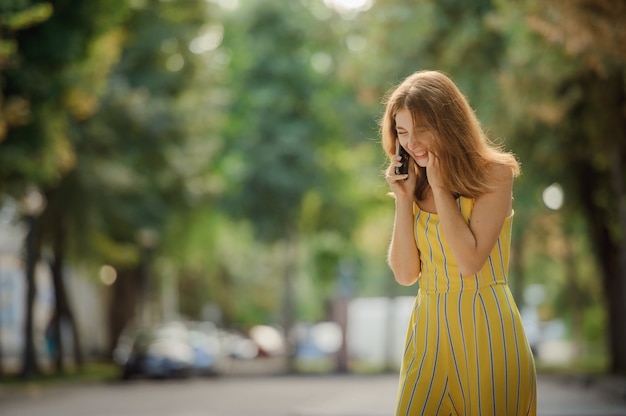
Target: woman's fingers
[
  {"x": 391, "y": 177},
  {"x": 396, "y": 161},
  {"x": 433, "y": 169}
]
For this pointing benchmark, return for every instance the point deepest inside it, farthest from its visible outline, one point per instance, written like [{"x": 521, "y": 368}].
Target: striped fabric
[{"x": 466, "y": 352}]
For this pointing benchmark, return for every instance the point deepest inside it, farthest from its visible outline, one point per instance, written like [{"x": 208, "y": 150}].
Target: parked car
[
  {"x": 204, "y": 339},
  {"x": 238, "y": 346},
  {"x": 160, "y": 352}
]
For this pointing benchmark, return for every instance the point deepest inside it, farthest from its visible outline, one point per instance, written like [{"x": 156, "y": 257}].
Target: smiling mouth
[{"x": 421, "y": 155}]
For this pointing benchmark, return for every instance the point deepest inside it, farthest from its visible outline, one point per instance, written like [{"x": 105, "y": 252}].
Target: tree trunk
[
  {"x": 607, "y": 253},
  {"x": 574, "y": 294},
  {"x": 339, "y": 315},
  {"x": 30, "y": 366},
  {"x": 617, "y": 175},
  {"x": 1, "y": 357},
  {"x": 122, "y": 303},
  {"x": 53, "y": 338},
  {"x": 1, "y": 347},
  {"x": 604, "y": 123},
  {"x": 615, "y": 288},
  {"x": 289, "y": 298},
  {"x": 63, "y": 311},
  {"x": 614, "y": 97}
]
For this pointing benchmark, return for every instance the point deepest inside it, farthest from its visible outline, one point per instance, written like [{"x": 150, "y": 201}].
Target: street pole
[
  {"x": 344, "y": 293},
  {"x": 148, "y": 238}
]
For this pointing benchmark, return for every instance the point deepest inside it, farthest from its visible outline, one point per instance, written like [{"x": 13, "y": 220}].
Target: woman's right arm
[{"x": 403, "y": 256}]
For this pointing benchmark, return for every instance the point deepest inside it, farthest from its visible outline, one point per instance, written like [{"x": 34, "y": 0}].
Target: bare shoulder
[
  {"x": 500, "y": 175},
  {"x": 498, "y": 201}
]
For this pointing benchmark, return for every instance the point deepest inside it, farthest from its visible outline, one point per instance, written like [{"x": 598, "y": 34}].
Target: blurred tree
[
  {"x": 399, "y": 37},
  {"x": 144, "y": 153},
  {"x": 47, "y": 82},
  {"x": 276, "y": 138},
  {"x": 594, "y": 31},
  {"x": 571, "y": 50},
  {"x": 471, "y": 53},
  {"x": 15, "y": 108},
  {"x": 282, "y": 156},
  {"x": 219, "y": 251},
  {"x": 15, "y": 111},
  {"x": 52, "y": 75}
]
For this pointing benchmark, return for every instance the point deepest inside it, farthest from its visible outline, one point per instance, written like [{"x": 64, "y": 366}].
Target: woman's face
[{"x": 418, "y": 141}]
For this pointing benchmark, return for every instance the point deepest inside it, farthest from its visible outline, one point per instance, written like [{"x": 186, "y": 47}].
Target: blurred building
[{"x": 377, "y": 330}]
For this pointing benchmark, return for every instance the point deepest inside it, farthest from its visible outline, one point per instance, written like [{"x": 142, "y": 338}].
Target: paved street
[{"x": 299, "y": 395}]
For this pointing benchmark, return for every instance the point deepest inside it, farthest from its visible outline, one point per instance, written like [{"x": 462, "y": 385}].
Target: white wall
[{"x": 377, "y": 328}]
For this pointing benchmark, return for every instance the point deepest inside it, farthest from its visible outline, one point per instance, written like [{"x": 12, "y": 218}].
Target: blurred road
[{"x": 299, "y": 395}]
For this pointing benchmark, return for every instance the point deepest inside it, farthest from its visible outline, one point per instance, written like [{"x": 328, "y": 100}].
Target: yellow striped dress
[{"x": 466, "y": 352}]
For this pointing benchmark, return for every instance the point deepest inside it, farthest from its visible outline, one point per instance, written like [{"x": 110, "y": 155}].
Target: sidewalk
[
  {"x": 558, "y": 394},
  {"x": 567, "y": 395},
  {"x": 261, "y": 388}
]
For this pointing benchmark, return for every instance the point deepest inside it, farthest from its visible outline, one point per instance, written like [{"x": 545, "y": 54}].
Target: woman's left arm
[{"x": 472, "y": 243}]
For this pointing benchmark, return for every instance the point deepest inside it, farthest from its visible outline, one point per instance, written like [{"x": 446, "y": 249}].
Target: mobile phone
[{"x": 404, "y": 169}]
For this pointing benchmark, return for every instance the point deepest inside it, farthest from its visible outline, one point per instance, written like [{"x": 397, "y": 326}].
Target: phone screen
[{"x": 404, "y": 169}]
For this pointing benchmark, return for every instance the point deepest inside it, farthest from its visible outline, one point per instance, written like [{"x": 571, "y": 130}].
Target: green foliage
[
  {"x": 275, "y": 130},
  {"x": 49, "y": 82},
  {"x": 17, "y": 19},
  {"x": 130, "y": 170}
]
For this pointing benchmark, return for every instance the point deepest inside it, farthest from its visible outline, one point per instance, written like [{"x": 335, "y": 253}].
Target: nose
[{"x": 411, "y": 142}]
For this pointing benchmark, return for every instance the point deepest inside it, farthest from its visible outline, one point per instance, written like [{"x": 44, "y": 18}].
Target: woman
[{"x": 466, "y": 352}]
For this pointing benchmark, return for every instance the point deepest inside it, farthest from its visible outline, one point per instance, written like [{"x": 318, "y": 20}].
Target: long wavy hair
[{"x": 465, "y": 153}]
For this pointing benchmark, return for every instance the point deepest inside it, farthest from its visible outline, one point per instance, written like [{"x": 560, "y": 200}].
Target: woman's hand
[
  {"x": 433, "y": 172},
  {"x": 401, "y": 185},
  {"x": 403, "y": 256}
]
